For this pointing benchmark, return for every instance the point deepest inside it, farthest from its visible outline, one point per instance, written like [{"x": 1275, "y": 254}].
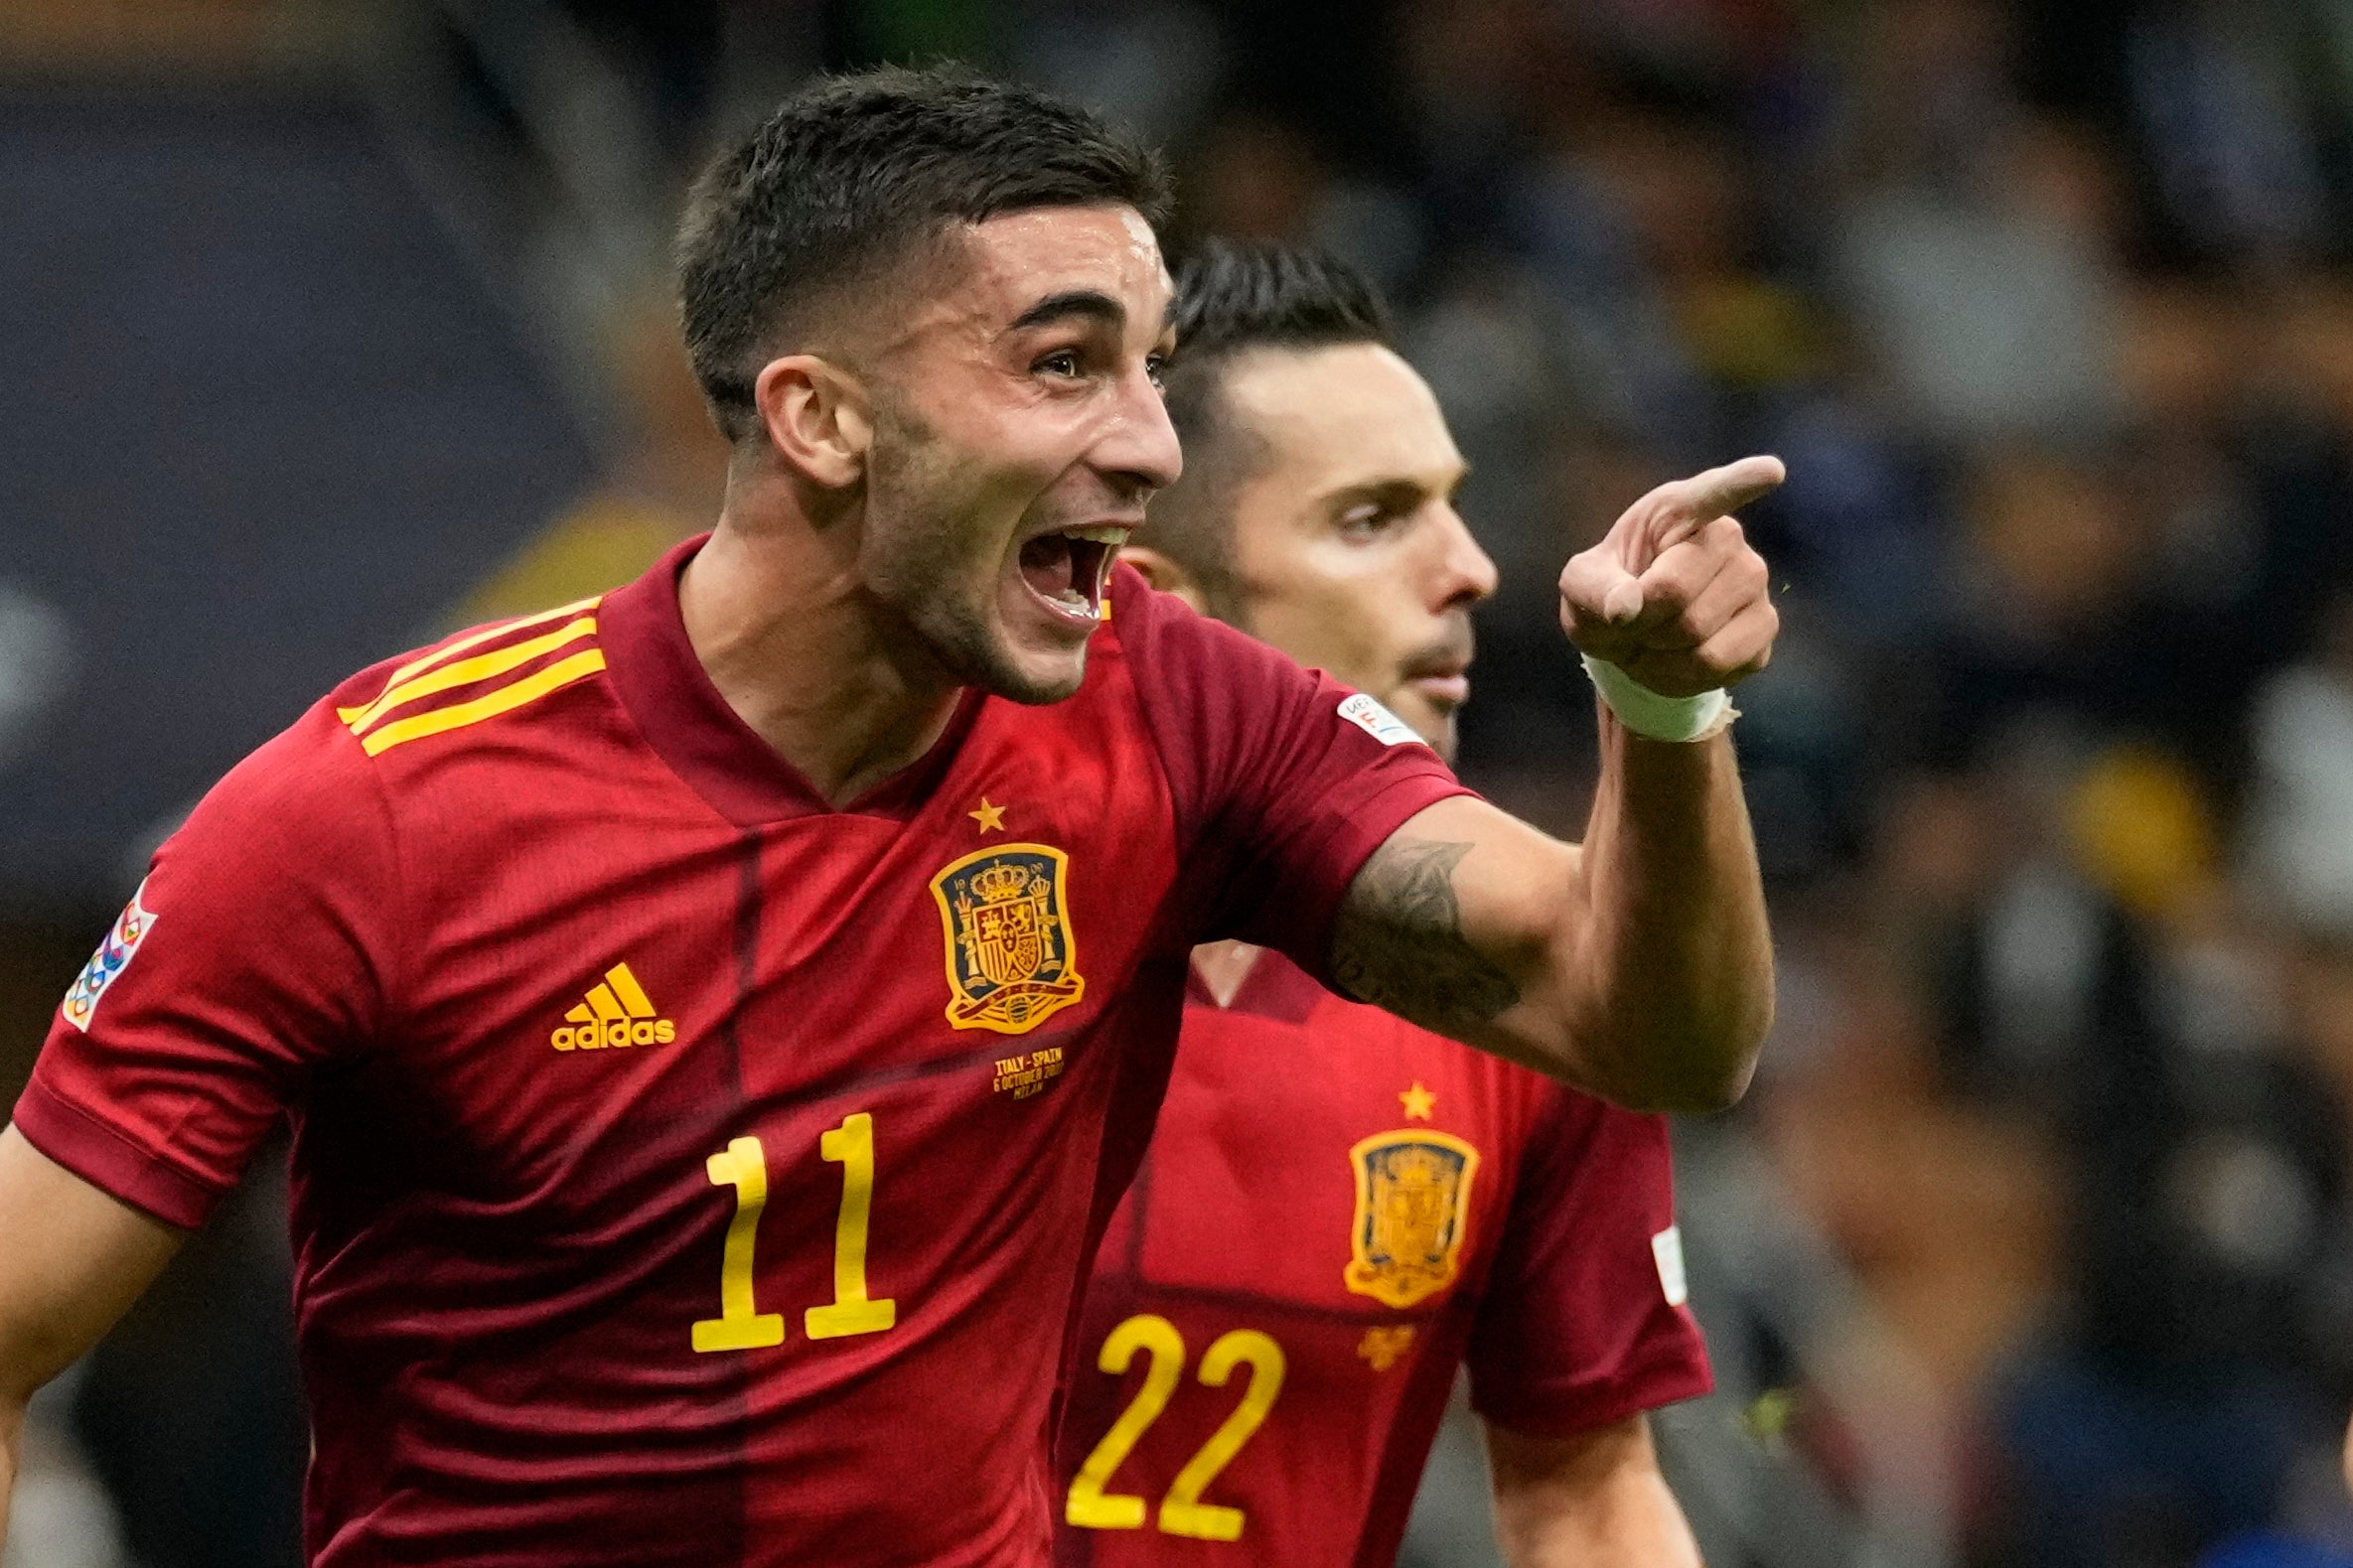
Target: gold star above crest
[
  {"x": 990, "y": 817},
  {"x": 1417, "y": 1101}
]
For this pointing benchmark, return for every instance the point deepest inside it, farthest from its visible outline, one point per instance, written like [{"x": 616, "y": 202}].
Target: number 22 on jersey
[
  {"x": 741, "y": 1325},
  {"x": 1182, "y": 1512}
]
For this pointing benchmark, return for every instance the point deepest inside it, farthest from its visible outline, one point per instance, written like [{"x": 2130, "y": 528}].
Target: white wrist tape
[{"x": 1656, "y": 718}]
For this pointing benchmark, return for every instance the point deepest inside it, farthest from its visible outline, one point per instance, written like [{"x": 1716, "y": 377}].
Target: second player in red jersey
[{"x": 1339, "y": 1210}]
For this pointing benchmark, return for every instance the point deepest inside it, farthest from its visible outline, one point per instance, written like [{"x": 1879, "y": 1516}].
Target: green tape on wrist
[{"x": 1656, "y": 718}]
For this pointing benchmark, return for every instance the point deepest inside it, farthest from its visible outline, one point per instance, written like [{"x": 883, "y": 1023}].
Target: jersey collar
[
  {"x": 687, "y": 723},
  {"x": 1275, "y": 988}
]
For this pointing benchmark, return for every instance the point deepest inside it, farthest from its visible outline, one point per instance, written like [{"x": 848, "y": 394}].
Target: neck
[
  {"x": 1223, "y": 966},
  {"x": 805, "y": 655}
]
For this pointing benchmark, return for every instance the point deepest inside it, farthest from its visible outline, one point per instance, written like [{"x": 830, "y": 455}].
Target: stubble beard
[{"x": 916, "y": 509}]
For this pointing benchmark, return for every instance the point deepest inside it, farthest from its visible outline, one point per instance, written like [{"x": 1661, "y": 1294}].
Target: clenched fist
[{"x": 1673, "y": 595}]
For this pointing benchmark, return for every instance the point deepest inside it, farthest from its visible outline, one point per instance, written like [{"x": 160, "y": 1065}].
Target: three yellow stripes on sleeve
[{"x": 443, "y": 669}]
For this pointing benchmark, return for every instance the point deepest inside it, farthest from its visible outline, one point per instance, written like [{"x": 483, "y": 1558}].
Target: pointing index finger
[{"x": 1720, "y": 492}]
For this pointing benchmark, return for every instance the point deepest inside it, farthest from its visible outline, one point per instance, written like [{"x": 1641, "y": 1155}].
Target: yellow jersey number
[
  {"x": 1182, "y": 1512},
  {"x": 741, "y": 1325}
]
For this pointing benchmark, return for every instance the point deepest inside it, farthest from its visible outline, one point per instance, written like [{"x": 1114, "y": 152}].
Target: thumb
[
  {"x": 1596, "y": 588},
  {"x": 1621, "y": 602}
]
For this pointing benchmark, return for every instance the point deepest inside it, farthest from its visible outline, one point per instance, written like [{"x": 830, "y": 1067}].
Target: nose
[
  {"x": 1138, "y": 449},
  {"x": 1466, "y": 574}
]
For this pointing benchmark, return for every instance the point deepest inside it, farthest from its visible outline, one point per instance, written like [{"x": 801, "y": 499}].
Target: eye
[
  {"x": 1156, "y": 369},
  {"x": 1062, "y": 361},
  {"x": 1365, "y": 521}
]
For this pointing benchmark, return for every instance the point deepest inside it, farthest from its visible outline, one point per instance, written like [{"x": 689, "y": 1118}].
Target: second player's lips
[
  {"x": 1442, "y": 675},
  {"x": 1446, "y": 691}
]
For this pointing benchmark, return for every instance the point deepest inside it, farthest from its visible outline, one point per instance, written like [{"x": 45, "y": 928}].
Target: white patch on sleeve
[
  {"x": 112, "y": 958},
  {"x": 1368, "y": 715},
  {"x": 1667, "y": 1252}
]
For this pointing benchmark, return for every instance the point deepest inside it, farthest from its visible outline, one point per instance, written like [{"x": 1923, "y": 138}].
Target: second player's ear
[
  {"x": 1165, "y": 574},
  {"x": 817, "y": 418}
]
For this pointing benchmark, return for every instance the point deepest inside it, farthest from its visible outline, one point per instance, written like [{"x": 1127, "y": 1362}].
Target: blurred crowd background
[{"x": 328, "y": 325}]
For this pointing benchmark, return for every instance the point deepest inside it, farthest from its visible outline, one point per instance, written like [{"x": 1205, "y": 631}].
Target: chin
[
  {"x": 1435, "y": 725},
  {"x": 1038, "y": 686},
  {"x": 979, "y": 650},
  {"x": 1028, "y": 675}
]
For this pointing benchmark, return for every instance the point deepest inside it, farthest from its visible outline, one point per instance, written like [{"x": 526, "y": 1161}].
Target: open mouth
[{"x": 1068, "y": 570}]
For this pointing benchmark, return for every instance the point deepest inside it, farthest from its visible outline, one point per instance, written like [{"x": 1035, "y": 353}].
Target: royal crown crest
[
  {"x": 1012, "y": 961},
  {"x": 1413, "y": 1199}
]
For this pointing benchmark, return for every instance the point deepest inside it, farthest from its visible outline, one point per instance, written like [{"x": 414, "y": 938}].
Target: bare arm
[
  {"x": 1594, "y": 1501},
  {"x": 1638, "y": 964},
  {"x": 73, "y": 1260}
]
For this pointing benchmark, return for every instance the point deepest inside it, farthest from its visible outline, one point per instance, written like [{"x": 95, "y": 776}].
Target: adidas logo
[{"x": 618, "y": 1012}]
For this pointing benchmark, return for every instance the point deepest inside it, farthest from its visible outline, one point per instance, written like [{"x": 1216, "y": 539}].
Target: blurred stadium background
[{"x": 329, "y": 324}]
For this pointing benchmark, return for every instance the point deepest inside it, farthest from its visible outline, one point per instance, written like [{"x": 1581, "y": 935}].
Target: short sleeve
[
  {"x": 1583, "y": 1322},
  {"x": 1283, "y": 780},
  {"x": 252, "y": 952}
]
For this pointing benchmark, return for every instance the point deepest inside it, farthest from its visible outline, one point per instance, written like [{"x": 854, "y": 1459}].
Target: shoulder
[
  {"x": 320, "y": 783},
  {"x": 1170, "y": 645},
  {"x": 469, "y": 678},
  {"x": 1223, "y": 704}
]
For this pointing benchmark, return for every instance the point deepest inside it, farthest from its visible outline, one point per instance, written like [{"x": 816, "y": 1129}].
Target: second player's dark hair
[
  {"x": 1232, "y": 298},
  {"x": 848, "y": 176}
]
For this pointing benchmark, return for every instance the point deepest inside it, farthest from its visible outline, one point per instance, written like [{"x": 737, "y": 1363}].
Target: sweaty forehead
[{"x": 1011, "y": 262}]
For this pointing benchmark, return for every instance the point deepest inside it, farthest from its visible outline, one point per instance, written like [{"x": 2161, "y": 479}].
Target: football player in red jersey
[
  {"x": 717, "y": 1019},
  {"x": 1338, "y": 1206}
]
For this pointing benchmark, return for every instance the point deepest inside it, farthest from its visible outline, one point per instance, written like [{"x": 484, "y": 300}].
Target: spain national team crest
[
  {"x": 114, "y": 954},
  {"x": 1412, "y": 1202},
  {"x": 1011, "y": 960}
]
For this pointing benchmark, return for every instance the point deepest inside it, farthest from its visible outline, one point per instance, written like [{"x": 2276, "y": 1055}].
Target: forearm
[
  {"x": 1663, "y": 972},
  {"x": 1634, "y": 1526},
  {"x": 75, "y": 1259},
  {"x": 1588, "y": 1502}
]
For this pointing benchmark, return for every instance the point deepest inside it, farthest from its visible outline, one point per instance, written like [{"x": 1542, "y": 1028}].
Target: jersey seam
[{"x": 402, "y": 960}]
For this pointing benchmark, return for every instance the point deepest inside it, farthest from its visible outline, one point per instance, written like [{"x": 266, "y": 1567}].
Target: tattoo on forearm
[{"x": 1397, "y": 943}]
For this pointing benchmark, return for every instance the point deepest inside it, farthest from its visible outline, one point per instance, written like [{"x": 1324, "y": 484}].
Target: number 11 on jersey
[{"x": 741, "y": 1325}]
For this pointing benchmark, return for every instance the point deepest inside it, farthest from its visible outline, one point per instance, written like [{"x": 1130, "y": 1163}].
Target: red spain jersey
[
  {"x": 1338, "y": 1209},
  {"x": 685, "y": 1172}
]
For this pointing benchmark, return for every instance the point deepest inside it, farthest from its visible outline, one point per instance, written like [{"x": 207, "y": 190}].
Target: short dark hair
[
  {"x": 854, "y": 172},
  {"x": 1233, "y": 296}
]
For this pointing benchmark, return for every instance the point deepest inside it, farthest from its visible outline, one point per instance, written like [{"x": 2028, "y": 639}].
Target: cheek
[
  {"x": 1331, "y": 623},
  {"x": 935, "y": 482}
]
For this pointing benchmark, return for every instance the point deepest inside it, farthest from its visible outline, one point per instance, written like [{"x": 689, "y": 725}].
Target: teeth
[
  {"x": 1102, "y": 533},
  {"x": 1071, "y": 599}
]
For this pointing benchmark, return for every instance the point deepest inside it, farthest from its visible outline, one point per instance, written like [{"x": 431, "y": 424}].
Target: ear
[
  {"x": 817, "y": 418},
  {"x": 1163, "y": 573}
]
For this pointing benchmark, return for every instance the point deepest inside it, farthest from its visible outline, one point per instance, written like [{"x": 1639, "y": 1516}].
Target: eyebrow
[
  {"x": 1392, "y": 489},
  {"x": 1090, "y": 303}
]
